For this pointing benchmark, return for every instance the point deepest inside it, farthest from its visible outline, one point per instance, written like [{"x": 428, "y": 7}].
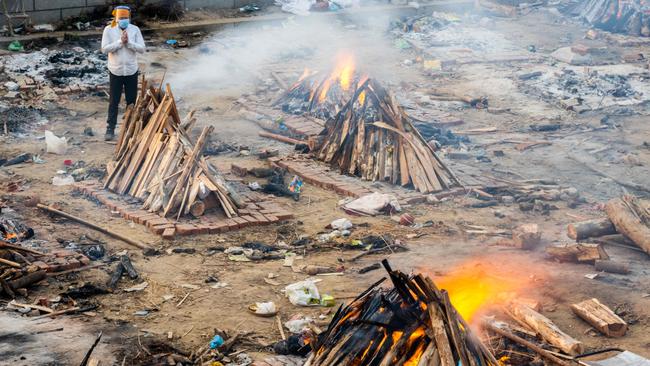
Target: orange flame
[
  {"x": 342, "y": 74},
  {"x": 477, "y": 286}
]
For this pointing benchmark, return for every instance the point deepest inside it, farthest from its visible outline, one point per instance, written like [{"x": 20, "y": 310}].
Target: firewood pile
[
  {"x": 317, "y": 95},
  {"x": 627, "y": 224},
  {"x": 412, "y": 323},
  {"x": 371, "y": 137},
  {"x": 16, "y": 269},
  {"x": 155, "y": 160},
  {"x": 612, "y": 15}
]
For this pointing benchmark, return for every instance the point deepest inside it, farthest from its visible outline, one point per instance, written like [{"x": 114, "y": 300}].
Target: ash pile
[
  {"x": 582, "y": 90},
  {"x": 61, "y": 71},
  {"x": 19, "y": 119}
]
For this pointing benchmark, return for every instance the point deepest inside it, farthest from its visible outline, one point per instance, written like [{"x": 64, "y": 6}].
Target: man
[{"x": 122, "y": 42}]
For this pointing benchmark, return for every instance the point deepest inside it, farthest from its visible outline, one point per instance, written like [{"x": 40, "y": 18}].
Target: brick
[
  {"x": 242, "y": 222},
  {"x": 159, "y": 229},
  {"x": 185, "y": 229},
  {"x": 284, "y": 215},
  {"x": 232, "y": 224},
  {"x": 41, "y": 265},
  {"x": 249, "y": 218},
  {"x": 238, "y": 170},
  {"x": 218, "y": 227},
  {"x": 61, "y": 253},
  {"x": 84, "y": 260},
  {"x": 157, "y": 221},
  {"x": 169, "y": 233},
  {"x": 272, "y": 218},
  {"x": 203, "y": 228},
  {"x": 142, "y": 219},
  {"x": 262, "y": 220}
]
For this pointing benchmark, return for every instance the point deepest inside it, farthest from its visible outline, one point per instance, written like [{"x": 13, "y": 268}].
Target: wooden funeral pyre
[
  {"x": 156, "y": 161},
  {"x": 371, "y": 137},
  {"x": 412, "y": 323},
  {"x": 320, "y": 95},
  {"x": 612, "y": 15}
]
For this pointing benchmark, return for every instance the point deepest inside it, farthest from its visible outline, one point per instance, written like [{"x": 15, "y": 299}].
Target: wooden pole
[
  {"x": 539, "y": 350},
  {"x": 9, "y": 263},
  {"x": 547, "y": 329},
  {"x": 281, "y": 138},
  {"x": 101, "y": 229}
]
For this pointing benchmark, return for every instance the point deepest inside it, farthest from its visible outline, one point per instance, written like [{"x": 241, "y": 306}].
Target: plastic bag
[
  {"x": 55, "y": 145},
  {"x": 297, "y": 325},
  {"x": 341, "y": 224},
  {"x": 62, "y": 180},
  {"x": 303, "y": 293},
  {"x": 373, "y": 204}
]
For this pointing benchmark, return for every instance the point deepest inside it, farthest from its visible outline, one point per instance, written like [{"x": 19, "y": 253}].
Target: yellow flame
[
  {"x": 473, "y": 287},
  {"x": 362, "y": 97},
  {"x": 343, "y": 73}
]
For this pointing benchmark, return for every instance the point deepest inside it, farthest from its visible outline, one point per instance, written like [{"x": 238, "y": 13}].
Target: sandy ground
[{"x": 441, "y": 248}]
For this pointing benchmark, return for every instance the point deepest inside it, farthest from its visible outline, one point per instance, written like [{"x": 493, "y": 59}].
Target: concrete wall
[{"x": 48, "y": 11}]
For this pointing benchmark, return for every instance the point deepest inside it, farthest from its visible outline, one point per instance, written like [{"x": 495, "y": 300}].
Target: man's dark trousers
[{"x": 117, "y": 83}]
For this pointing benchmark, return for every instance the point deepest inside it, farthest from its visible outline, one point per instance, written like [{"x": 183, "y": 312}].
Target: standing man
[{"x": 122, "y": 42}]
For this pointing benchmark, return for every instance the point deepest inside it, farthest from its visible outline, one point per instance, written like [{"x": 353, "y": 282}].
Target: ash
[
  {"x": 78, "y": 66},
  {"x": 19, "y": 118},
  {"x": 595, "y": 83}
]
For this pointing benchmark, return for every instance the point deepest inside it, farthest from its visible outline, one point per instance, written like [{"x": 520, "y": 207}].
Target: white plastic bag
[
  {"x": 55, "y": 145},
  {"x": 341, "y": 224},
  {"x": 303, "y": 293},
  {"x": 62, "y": 180},
  {"x": 373, "y": 204},
  {"x": 297, "y": 325}
]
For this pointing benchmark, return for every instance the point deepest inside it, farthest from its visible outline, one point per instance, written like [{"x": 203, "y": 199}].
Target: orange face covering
[{"x": 119, "y": 13}]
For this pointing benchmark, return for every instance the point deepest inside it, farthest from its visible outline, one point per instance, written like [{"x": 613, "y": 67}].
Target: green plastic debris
[
  {"x": 327, "y": 300},
  {"x": 402, "y": 44},
  {"x": 15, "y": 46}
]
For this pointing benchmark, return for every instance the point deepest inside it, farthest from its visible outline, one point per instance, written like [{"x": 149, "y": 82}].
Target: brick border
[
  {"x": 257, "y": 212},
  {"x": 318, "y": 174}
]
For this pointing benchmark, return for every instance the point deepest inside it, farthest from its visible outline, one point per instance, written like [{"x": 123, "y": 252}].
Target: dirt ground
[{"x": 439, "y": 249}]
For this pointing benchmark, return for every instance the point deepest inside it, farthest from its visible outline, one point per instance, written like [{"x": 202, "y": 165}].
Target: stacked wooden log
[
  {"x": 318, "y": 95},
  {"x": 371, "y": 137},
  {"x": 627, "y": 221},
  {"x": 412, "y": 323},
  {"x": 612, "y": 15},
  {"x": 16, "y": 269},
  {"x": 156, "y": 161}
]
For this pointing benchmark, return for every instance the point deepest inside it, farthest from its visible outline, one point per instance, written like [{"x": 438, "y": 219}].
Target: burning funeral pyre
[
  {"x": 412, "y": 323},
  {"x": 319, "y": 96},
  {"x": 156, "y": 161},
  {"x": 367, "y": 133},
  {"x": 373, "y": 138}
]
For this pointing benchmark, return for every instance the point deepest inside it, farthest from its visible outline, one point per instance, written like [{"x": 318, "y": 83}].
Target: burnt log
[
  {"x": 611, "y": 267},
  {"x": 28, "y": 280},
  {"x": 128, "y": 267},
  {"x": 590, "y": 229}
]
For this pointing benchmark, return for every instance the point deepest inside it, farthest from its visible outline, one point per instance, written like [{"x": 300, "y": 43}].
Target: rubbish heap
[
  {"x": 412, "y": 323},
  {"x": 156, "y": 161},
  {"x": 371, "y": 137}
]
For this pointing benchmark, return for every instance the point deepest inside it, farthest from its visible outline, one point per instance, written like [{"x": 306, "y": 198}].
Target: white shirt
[{"x": 122, "y": 58}]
